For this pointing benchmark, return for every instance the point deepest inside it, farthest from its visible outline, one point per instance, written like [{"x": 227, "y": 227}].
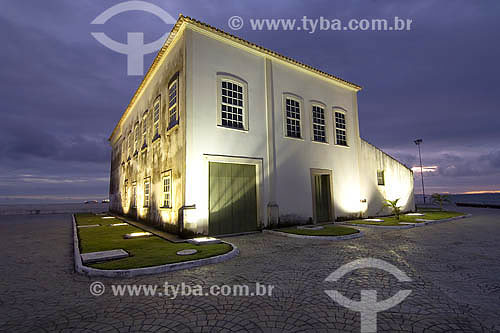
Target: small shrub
[
  {"x": 440, "y": 199},
  {"x": 393, "y": 205}
]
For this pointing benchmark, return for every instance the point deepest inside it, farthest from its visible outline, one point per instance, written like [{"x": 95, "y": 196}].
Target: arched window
[
  {"x": 232, "y": 102},
  {"x": 318, "y": 120},
  {"x": 340, "y": 127},
  {"x": 292, "y": 115}
]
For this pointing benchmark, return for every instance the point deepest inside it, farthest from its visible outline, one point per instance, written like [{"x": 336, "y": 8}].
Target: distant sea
[
  {"x": 53, "y": 208},
  {"x": 65, "y": 208},
  {"x": 484, "y": 198}
]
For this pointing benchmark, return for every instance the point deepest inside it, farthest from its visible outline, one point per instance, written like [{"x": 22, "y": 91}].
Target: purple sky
[{"x": 63, "y": 92}]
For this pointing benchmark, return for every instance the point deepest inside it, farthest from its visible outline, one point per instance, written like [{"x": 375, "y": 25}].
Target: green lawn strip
[
  {"x": 428, "y": 215},
  {"x": 328, "y": 230},
  {"x": 144, "y": 252},
  {"x": 89, "y": 218},
  {"x": 388, "y": 221},
  {"x": 437, "y": 215}
]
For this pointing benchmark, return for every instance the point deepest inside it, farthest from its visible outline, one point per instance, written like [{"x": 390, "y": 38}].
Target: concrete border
[
  {"x": 330, "y": 238},
  {"x": 445, "y": 220},
  {"x": 89, "y": 271},
  {"x": 408, "y": 226}
]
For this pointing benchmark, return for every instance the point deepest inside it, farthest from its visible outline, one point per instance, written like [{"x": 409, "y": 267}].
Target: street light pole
[{"x": 418, "y": 142}]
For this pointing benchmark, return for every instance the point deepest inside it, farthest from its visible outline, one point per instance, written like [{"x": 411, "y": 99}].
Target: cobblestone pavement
[{"x": 455, "y": 268}]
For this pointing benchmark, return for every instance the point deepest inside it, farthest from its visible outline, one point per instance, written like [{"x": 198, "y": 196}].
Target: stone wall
[{"x": 165, "y": 154}]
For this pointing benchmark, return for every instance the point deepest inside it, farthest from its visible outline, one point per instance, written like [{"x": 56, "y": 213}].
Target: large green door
[
  {"x": 232, "y": 198},
  {"x": 322, "y": 197}
]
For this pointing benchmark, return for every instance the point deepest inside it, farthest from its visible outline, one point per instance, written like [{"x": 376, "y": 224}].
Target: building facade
[{"x": 223, "y": 136}]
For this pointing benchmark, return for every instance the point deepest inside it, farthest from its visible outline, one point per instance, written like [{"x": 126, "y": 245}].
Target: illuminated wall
[
  {"x": 205, "y": 140},
  {"x": 296, "y": 157},
  {"x": 283, "y": 165},
  {"x": 398, "y": 181},
  {"x": 166, "y": 153}
]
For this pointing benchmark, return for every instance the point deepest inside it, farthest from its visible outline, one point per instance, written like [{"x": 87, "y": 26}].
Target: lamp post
[{"x": 418, "y": 142}]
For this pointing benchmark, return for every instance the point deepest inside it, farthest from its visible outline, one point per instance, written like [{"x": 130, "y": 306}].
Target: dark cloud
[
  {"x": 24, "y": 140},
  {"x": 62, "y": 92},
  {"x": 493, "y": 159}
]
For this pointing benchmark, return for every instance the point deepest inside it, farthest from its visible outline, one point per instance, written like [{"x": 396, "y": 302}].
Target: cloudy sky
[{"x": 62, "y": 92}]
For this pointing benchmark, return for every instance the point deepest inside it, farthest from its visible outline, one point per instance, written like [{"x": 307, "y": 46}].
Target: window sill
[
  {"x": 342, "y": 146},
  {"x": 172, "y": 129},
  {"x": 172, "y": 125},
  {"x": 156, "y": 138},
  {"x": 165, "y": 208},
  {"x": 294, "y": 138},
  {"x": 241, "y": 130},
  {"x": 321, "y": 142}
]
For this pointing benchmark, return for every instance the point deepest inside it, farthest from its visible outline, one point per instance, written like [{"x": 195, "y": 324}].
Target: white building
[{"x": 224, "y": 136}]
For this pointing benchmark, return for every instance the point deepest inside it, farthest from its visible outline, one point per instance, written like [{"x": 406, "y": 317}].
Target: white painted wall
[
  {"x": 205, "y": 58},
  {"x": 296, "y": 157},
  {"x": 398, "y": 181},
  {"x": 353, "y": 168}
]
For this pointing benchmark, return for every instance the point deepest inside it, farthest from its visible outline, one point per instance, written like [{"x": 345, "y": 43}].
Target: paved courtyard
[{"x": 455, "y": 268}]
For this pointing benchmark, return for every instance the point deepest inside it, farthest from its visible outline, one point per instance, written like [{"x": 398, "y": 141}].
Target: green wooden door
[
  {"x": 322, "y": 197},
  {"x": 232, "y": 198}
]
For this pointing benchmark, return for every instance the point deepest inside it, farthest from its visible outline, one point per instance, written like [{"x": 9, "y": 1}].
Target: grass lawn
[
  {"x": 144, "y": 252},
  {"x": 90, "y": 218},
  {"x": 428, "y": 215},
  {"x": 437, "y": 215},
  {"x": 328, "y": 230},
  {"x": 388, "y": 221}
]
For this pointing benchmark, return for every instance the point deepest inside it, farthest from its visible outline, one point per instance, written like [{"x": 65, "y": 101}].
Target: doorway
[{"x": 322, "y": 195}]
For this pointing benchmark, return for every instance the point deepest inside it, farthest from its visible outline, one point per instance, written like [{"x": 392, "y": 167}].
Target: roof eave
[{"x": 173, "y": 34}]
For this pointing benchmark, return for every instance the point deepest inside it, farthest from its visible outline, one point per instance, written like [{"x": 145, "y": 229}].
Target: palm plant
[
  {"x": 393, "y": 204},
  {"x": 440, "y": 199}
]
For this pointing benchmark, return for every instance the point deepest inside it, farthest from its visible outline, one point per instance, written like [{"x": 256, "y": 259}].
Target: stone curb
[
  {"x": 330, "y": 238},
  {"x": 409, "y": 226},
  {"x": 89, "y": 271},
  {"x": 447, "y": 220}
]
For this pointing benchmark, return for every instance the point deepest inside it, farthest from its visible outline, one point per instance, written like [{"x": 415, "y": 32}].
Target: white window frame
[
  {"x": 156, "y": 117},
  {"x": 335, "y": 111},
  {"x": 124, "y": 149},
  {"x": 236, "y": 80},
  {"x": 173, "y": 109},
  {"x": 380, "y": 175},
  {"x": 125, "y": 191},
  {"x": 136, "y": 137},
  {"x": 129, "y": 138},
  {"x": 144, "y": 131},
  {"x": 301, "y": 115},
  {"x": 147, "y": 192},
  {"x": 166, "y": 201},
  {"x": 134, "y": 195},
  {"x": 322, "y": 106}
]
